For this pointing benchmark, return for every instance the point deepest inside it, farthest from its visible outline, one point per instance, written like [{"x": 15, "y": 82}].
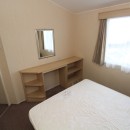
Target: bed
[{"x": 86, "y": 105}]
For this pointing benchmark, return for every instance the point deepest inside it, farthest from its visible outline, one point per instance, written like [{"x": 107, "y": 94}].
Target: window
[{"x": 117, "y": 51}]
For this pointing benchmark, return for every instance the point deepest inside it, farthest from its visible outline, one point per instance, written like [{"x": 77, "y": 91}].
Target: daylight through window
[{"x": 117, "y": 51}]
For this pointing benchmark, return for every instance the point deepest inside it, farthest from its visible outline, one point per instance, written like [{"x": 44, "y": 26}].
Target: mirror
[{"x": 45, "y": 43}]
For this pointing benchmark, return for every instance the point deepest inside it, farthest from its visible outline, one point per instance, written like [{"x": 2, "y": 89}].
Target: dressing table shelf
[
  {"x": 34, "y": 83},
  {"x": 73, "y": 70},
  {"x": 37, "y": 94}
]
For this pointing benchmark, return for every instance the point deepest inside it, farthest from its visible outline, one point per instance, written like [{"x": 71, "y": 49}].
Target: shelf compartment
[
  {"x": 72, "y": 70},
  {"x": 34, "y": 83},
  {"x": 37, "y": 94},
  {"x": 73, "y": 80}
]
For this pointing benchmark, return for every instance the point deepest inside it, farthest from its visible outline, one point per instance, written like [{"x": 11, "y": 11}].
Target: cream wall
[
  {"x": 3, "y": 99},
  {"x": 19, "y": 19},
  {"x": 75, "y": 34},
  {"x": 87, "y": 24}
]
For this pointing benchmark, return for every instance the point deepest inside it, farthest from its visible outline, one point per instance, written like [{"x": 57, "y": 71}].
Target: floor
[
  {"x": 3, "y": 107},
  {"x": 54, "y": 91},
  {"x": 16, "y": 116}
]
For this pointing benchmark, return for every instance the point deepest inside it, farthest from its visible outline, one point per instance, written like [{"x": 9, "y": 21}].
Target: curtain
[
  {"x": 40, "y": 39},
  {"x": 99, "y": 52}
]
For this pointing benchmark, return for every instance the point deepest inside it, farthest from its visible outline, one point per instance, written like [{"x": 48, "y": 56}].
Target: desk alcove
[{"x": 70, "y": 72}]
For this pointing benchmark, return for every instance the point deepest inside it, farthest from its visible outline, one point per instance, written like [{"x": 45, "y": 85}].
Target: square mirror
[{"x": 45, "y": 43}]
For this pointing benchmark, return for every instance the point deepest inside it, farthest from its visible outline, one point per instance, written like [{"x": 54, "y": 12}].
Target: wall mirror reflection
[{"x": 45, "y": 42}]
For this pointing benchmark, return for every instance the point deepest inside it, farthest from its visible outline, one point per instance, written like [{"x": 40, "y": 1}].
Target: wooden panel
[{"x": 63, "y": 76}]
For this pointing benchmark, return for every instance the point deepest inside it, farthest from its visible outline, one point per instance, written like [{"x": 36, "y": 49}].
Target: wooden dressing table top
[{"x": 50, "y": 66}]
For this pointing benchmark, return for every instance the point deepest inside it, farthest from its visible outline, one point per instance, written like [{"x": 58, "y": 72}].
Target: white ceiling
[{"x": 84, "y": 5}]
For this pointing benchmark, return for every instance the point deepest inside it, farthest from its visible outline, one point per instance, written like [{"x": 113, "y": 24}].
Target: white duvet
[{"x": 84, "y": 106}]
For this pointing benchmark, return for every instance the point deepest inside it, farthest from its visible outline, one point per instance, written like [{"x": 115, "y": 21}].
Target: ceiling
[{"x": 84, "y": 5}]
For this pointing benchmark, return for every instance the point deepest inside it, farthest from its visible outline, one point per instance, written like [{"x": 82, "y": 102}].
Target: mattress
[{"x": 84, "y": 106}]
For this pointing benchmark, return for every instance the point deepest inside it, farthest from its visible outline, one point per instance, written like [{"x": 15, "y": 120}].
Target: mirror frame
[{"x": 38, "y": 47}]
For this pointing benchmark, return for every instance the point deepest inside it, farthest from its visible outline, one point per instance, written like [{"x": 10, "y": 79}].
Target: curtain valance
[{"x": 115, "y": 13}]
